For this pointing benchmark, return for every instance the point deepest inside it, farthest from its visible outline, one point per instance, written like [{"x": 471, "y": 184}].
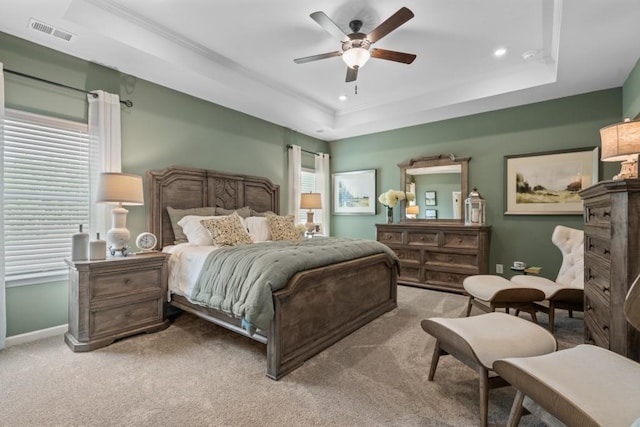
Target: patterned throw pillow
[
  {"x": 227, "y": 230},
  {"x": 282, "y": 227}
]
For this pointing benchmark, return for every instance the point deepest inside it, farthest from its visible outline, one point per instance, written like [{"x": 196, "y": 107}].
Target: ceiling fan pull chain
[{"x": 356, "y": 91}]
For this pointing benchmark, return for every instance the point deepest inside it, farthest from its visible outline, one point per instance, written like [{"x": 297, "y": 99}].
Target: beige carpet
[{"x": 197, "y": 374}]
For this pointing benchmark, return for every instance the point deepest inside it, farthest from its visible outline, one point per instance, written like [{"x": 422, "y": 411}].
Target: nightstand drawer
[
  {"x": 124, "y": 282},
  {"x": 125, "y": 317}
]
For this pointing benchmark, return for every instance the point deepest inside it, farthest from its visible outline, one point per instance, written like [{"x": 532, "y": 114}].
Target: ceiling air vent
[{"x": 49, "y": 29}]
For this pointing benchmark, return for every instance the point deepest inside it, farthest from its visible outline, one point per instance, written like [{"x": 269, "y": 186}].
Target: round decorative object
[{"x": 146, "y": 241}]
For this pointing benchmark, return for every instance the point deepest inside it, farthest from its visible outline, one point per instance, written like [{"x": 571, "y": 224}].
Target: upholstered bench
[
  {"x": 581, "y": 386},
  {"x": 479, "y": 341},
  {"x": 488, "y": 292}
]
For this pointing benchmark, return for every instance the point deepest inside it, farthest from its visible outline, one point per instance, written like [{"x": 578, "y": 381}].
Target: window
[
  {"x": 46, "y": 194},
  {"x": 308, "y": 185}
]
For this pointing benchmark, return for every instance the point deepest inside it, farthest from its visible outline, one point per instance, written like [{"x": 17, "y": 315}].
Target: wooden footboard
[{"x": 321, "y": 306}]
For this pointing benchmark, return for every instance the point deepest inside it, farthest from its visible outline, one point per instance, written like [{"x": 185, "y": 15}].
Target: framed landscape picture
[
  {"x": 354, "y": 193},
  {"x": 548, "y": 183},
  {"x": 431, "y": 214}
]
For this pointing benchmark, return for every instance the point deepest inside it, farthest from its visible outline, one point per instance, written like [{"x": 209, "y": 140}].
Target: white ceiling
[{"x": 239, "y": 53}]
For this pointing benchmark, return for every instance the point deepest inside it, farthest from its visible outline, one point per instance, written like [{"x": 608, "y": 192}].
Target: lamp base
[
  {"x": 628, "y": 169},
  {"x": 310, "y": 226},
  {"x": 118, "y": 236}
]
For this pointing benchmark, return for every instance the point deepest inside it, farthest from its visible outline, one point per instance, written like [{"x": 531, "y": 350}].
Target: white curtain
[
  {"x": 3, "y": 305},
  {"x": 323, "y": 186},
  {"x": 105, "y": 140},
  {"x": 295, "y": 170}
]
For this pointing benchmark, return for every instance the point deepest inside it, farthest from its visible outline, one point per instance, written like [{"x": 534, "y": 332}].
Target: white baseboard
[{"x": 36, "y": 335}]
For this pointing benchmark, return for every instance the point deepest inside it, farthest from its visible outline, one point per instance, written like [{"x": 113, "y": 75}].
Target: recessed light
[
  {"x": 500, "y": 52},
  {"x": 342, "y": 98}
]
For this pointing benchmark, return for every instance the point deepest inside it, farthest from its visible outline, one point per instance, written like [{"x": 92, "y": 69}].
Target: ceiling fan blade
[
  {"x": 393, "y": 22},
  {"x": 329, "y": 26},
  {"x": 352, "y": 74},
  {"x": 392, "y": 55},
  {"x": 317, "y": 57}
]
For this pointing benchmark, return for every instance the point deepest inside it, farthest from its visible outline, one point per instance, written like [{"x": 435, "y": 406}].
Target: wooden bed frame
[{"x": 305, "y": 323}]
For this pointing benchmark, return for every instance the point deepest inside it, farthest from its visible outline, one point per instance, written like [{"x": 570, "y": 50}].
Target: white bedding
[{"x": 185, "y": 264}]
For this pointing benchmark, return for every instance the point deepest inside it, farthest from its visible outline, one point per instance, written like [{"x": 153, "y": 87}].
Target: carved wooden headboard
[{"x": 182, "y": 188}]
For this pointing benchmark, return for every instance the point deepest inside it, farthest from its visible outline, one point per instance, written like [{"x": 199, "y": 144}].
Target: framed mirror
[{"x": 440, "y": 183}]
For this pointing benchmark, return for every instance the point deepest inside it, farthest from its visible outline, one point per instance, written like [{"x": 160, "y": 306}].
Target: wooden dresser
[
  {"x": 115, "y": 298},
  {"x": 437, "y": 255},
  {"x": 612, "y": 262}
]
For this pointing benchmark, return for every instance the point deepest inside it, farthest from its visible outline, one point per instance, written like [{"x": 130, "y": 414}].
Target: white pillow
[
  {"x": 195, "y": 232},
  {"x": 258, "y": 228}
]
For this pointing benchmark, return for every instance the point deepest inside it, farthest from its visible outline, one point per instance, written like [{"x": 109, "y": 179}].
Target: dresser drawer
[
  {"x": 124, "y": 282},
  {"x": 444, "y": 278},
  {"x": 117, "y": 319},
  {"x": 390, "y": 237},
  {"x": 451, "y": 258},
  {"x": 409, "y": 273},
  {"x": 426, "y": 238},
  {"x": 460, "y": 240},
  {"x": 597, "y": 276},
  {"x": 598, "y": 213},
  {"x": 593, "y": 334},
  {"x": 597, "y": 310},
  {"x": 597, "y": 246},
  {"x": 408, "y": 255}
]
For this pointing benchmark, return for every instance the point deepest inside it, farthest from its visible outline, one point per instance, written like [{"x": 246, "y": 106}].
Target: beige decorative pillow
[
  {"x": 283, "y": 227},
  {"x": 176, "y": 215},
  {"x": 227, "y": 230}
]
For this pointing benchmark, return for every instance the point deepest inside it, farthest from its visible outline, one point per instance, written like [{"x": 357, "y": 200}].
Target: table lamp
[
  {"x": 310, "y": 201},
  {"x": 621, "y": 142},
  {"x": 413, "y": 210},
  {"x": 121, "y": 189}
]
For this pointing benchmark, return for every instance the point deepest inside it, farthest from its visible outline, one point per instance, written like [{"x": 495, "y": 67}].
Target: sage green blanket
[{"x": 239, "y": 280}]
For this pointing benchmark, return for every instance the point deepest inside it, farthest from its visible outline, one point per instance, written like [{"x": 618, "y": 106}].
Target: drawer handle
[
  {"x": 605, "y": 327},
  {"x": 591, "y": 215},
  {"x": 591, "y": 246},
  {"x": 605, "y": 289},
  {"x": 606, "y": 252},
  {"x": 127, "y": 282},
  {"x": 589, "y": 307},
  {"x": 606, "y": 213}
]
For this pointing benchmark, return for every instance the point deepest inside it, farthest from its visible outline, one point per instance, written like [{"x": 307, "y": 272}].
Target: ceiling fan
[{"x": 355, "y": 46}]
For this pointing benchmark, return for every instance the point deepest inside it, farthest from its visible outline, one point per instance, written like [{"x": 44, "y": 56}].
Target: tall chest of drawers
[
  {"x": 612, "y": 262},
  {"x": 437, "y": 255}
]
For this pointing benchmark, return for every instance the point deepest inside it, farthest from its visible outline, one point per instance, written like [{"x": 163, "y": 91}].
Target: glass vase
[{"x": 389, "y": 215}]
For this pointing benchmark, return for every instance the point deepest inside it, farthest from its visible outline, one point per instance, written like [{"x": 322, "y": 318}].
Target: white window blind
[{"x": 46, "y": 193}]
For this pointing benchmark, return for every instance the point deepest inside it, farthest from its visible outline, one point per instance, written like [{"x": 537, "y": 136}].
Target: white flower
[{"x": 391, "y": 197}]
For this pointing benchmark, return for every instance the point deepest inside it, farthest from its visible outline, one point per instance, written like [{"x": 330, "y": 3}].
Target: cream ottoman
[
  {"x": 479, "y": 341},
  {"x": 488, "y": 292}
]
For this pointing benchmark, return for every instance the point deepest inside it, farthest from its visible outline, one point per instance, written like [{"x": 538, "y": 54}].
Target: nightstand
[{"x": 115, "y": 298}]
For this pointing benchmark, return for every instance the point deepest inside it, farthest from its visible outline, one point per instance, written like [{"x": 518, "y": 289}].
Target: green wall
[
  {"x": 165, "y": 127},
  {"x": 571, "y": 122},
  {"x": 631, "y": 94}
]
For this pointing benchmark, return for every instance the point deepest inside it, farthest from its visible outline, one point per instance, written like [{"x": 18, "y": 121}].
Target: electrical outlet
[{"x": 499, "y": 268}]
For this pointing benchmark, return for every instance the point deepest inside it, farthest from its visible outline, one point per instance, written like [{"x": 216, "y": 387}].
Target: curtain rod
[
  {"x": 127, "y": 102},
  {"x": 289, "y": 146}
]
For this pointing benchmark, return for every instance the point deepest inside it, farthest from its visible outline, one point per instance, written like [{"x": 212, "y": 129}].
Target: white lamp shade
[
  {"x": 619, "y": 141},
  {"x": 356, "y": 57},
  {"x": 116, "y": 188},
  {"x": 413, "y": 210},
  {"x": 310, "y": 201}
]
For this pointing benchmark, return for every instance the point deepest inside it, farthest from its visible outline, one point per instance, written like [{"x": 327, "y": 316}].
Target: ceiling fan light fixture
[{"x": 356, "y": 57}]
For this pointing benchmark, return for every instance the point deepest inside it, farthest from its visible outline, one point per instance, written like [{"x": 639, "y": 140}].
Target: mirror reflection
[{"x": 440, "y": 186}]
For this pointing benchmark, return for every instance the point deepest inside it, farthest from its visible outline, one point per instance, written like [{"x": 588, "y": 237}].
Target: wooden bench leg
[
  {"x": 437, "y": 352},
  {"x": 469, "y": 305},
  {"x": 516, "y": 410},
  {"x": 552, "y": 316},
  {"x": 484, "y": 396}
]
